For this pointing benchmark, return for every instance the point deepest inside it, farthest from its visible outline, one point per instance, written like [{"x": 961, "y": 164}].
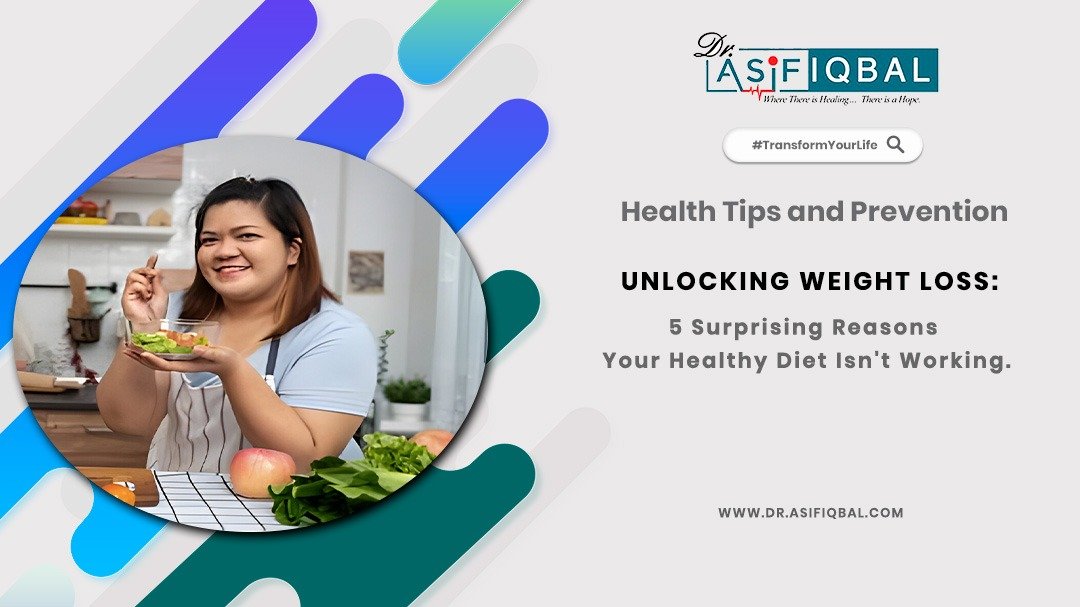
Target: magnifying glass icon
[{"x": 893, "y": 143}]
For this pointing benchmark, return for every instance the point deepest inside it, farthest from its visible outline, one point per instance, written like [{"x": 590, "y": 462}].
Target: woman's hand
[
  {"x": 219, "y": 360},
  {"x": 145, "y": 299}
]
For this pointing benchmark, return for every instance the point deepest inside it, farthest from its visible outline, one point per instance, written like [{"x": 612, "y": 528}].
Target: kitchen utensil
[
  {"x": 38, "y": 382},
  {"x": 146, "y": 493},
  {"x": 42, "y": 382},
  {"x": 126, "y": 218},
  {"x": 80, "y": 306},
  {"x": 159, "y": 217},
  {"x": 70, "y": 382},
  {"x": 86, "y": 330}
]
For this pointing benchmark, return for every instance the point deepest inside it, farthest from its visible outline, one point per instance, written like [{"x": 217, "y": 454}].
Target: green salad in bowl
[
  {"x": 177, "y": 339},
  {"x": 169, "y": 342}
]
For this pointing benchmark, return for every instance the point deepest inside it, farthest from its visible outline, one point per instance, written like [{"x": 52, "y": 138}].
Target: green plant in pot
[{"x": 407, "y": 397}]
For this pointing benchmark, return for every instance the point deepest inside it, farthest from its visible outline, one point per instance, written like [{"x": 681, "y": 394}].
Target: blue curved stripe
[
  {"x": 198, "y": 109},
  {"x": 29, "y": 455},
  {"x": 488, "y": 158},
  {"x": 97, "y": 545},
  {"x": 360, "y": 116}
]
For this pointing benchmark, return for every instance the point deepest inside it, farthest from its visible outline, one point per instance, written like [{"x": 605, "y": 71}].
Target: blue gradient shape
[
  {"x": 485, "y": 161},
  {"x": 97, "y": 546},
  {"x": 198, "y": 109},
  {"x": 30, "y": 456},
  {"x": 445, "y": 35},
  {"x": 360, "y": 116}
]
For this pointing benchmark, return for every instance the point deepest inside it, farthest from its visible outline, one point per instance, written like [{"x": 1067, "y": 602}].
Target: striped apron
[{"x": 199, "y": 432}]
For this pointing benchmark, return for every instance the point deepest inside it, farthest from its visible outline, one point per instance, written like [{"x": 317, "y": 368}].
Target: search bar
[{"x": 824, "y": 145}]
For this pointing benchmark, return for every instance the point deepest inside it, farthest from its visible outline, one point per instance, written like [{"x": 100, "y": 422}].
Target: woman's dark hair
[{"x": 279, "y": 202}]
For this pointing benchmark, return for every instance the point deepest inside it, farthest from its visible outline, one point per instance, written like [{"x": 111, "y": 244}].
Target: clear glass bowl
[{"x": 187, "y": 328}]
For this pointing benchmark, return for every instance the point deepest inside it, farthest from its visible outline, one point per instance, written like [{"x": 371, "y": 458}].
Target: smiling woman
[
  {"x": 258, "y": 266},
  {"x": 292, "y": 370}
]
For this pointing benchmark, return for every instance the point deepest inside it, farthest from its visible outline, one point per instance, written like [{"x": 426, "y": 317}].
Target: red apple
[{"x": 253, "y": 470}]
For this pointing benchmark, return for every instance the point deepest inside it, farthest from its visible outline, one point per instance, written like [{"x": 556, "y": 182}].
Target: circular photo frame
[{"x": 250, "y": 334}]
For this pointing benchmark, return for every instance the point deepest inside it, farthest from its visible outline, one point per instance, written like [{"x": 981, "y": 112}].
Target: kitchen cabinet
[
  {"x": 158, "y": 175},
  {"x": 142, "y": 187},
  {"x": 165, "y": 164},
  {"x": 84, "y": 439}
]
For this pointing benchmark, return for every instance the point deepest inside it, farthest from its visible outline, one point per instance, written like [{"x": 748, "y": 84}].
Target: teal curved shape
[
  {"x": 512, "y": 303},
  {"x": 445, "y": 35},
  {"x": 383, "y": 556}
]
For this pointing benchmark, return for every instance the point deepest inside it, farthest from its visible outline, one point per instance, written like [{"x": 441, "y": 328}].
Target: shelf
[
  {"x": 166, "y": 164},
  {"x": 121, "y": 185},
  {"x": 111, "y": 232}
]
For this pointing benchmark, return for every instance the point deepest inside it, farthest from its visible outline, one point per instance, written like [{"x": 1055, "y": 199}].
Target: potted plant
[{"x": 408, "y": 398}]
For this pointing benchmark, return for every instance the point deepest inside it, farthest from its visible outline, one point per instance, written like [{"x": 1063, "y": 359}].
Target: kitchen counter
[
  {"x": 71, "y": 421},
  {"x": 83, "y": 399}
]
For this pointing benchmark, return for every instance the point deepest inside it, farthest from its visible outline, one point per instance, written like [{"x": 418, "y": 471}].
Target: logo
[{"x": 761, "y": 70}]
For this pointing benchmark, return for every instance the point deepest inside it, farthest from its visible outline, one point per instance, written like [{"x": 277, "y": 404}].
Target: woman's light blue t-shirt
[{"x": 328, "y": 362}]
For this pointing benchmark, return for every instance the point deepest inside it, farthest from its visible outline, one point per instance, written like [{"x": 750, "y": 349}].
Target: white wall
[
  {"x": 354, "y": 206},
  {"x": 382, "y": 214},
  {"x": 425, "y": 279}
]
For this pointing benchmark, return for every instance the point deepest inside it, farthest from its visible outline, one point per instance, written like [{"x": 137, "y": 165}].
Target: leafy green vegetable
[
  {"x": 336, "y": 488},
  {"x": 396, "y": 453},
  {"x": 161, "y": 343},
  {"x": 158, "y": 343}
]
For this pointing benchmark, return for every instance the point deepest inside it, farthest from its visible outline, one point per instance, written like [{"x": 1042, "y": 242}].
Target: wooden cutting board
[
  {"x": 145, "y": 488},
  {"x": 80, "y": 305}
]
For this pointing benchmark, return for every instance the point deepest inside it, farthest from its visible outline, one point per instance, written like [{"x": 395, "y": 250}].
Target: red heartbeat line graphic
[{"x": 758, "y": 91}]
